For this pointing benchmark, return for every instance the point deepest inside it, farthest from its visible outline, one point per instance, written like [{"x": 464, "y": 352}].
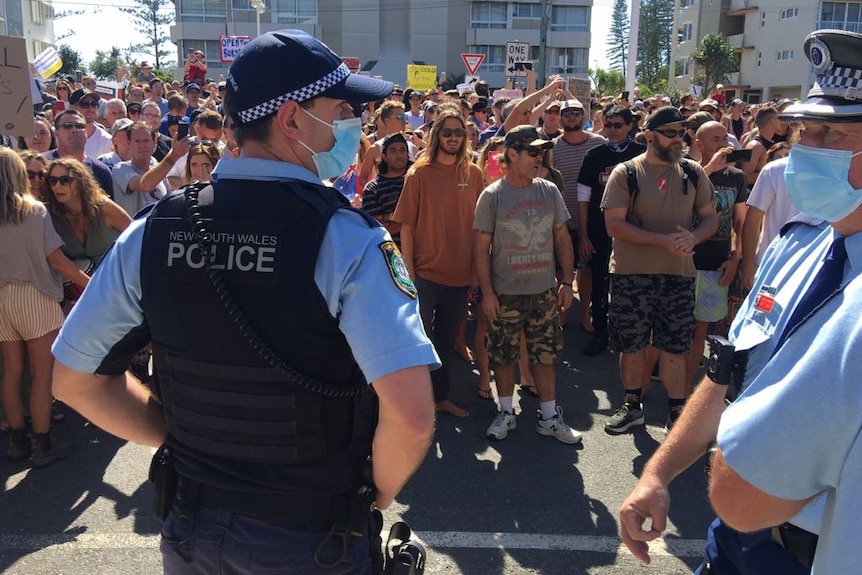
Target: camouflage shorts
[
  {"x": 656, "y": 309},
  {"x": 538, "y": 317}
]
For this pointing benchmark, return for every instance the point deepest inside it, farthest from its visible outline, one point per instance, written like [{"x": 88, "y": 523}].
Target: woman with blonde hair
[
  {"x": 37, "y": 171},
  {"x": 30, "y": 315},
  {"x": 86, "y": 219}
]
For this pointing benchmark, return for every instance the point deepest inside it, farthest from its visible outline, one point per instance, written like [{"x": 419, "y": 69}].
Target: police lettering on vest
[{"x": 245, "y": 250}]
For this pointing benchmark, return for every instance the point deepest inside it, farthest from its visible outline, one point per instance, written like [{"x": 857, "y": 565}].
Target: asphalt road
[{"x": 526, "y": 505}]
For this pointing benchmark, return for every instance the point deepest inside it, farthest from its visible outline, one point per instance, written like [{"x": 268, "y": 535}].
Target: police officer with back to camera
[
  {"x": 270, "y": 303},
  {"x": 785, "y": 477}
]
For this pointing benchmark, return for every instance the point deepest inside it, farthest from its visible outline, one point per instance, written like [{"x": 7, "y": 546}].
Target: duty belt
[{"x": 298, "y": 507}]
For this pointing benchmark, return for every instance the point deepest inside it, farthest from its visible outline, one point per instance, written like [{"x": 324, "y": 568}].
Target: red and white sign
[
  {"x": 352, "y": 63},
  {"x": 472, "y": 62}
]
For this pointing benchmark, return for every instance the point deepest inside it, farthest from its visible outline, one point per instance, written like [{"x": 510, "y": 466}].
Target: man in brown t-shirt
[
  {"x": 652, "y": 269},
  {"x": 435, "y": 211}
]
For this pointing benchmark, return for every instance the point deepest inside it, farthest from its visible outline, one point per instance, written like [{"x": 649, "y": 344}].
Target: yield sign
[{"x": 472, "y": 62}]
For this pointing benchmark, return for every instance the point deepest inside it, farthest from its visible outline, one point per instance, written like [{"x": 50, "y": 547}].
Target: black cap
[
  {"x": 80, "y": 94},
  {"x": 480, "y": 106},
  {"x": 134, "y": 106},
  {"x": 525, "y": 136},
  {"x": 314, "y": 71},
  {"x": 664, "y": 116},
  {"x": 837, "y": 92},
  {"x": 391, "y": 139}
]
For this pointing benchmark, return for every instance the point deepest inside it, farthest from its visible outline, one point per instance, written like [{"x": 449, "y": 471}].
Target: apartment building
[
  {"x": 37, "y": 25},
  {"x": 386, "y": 35},
  {"x": 768, "y": 39}
]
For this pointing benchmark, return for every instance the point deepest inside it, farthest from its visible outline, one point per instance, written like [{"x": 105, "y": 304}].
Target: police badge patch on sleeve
[{"x": 398, "y": 269}]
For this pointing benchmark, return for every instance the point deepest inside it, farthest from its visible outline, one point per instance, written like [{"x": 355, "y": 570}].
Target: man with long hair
[{"x": 436, "y": 216}]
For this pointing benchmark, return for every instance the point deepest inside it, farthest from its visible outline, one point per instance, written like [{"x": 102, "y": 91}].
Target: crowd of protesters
[{"x": 95, "y": 162}]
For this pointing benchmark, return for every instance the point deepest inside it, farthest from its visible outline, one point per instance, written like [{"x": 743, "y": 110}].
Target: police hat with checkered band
[
  {"x": 292, "y": 65},
  {"x": 837, "y": 92}
]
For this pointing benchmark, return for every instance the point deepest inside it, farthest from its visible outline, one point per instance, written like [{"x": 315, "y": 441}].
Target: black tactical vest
[{"x": 234, "y": 420}]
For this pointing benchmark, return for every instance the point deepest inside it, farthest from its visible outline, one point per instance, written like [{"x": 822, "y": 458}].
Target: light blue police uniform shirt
[
  {"x": 381, "y": 323},
  {"x": 794, "y": 431}
]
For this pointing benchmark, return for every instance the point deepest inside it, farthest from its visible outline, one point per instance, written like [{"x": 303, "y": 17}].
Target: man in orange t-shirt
[{"x": 436, "y": 211}]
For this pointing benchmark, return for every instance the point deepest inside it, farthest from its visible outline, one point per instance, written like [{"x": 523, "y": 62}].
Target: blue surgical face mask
[
  {"x": 817, "y": 182},
  {"x": 332, "y": 163}
]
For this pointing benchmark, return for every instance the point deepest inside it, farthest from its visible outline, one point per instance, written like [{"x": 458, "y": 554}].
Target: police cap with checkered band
[
  {"x": 837, "y": 92},
  {"x": 286, "y": 65}
]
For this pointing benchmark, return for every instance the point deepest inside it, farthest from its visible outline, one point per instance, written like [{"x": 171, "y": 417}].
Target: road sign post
[{"x": 516, "y": 52}]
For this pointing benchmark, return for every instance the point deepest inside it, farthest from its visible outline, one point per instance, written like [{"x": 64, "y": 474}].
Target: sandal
[{"x": 485, "y": 394}]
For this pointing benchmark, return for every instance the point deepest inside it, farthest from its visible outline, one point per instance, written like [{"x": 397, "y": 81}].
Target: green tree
[
  {"x": 72, "y": 61},
  {"x": 715, "y": 58},
  {"x": 618, "y": 37},
  {"x": 652, "y": 59},
  {"x": 104, "y": 66},
  {"x": 150, "y": 18},
  {"x": 608, "y": 82}
]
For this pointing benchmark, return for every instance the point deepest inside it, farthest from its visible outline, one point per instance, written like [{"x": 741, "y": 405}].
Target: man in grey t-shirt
[{"x": 520, "y": 225}]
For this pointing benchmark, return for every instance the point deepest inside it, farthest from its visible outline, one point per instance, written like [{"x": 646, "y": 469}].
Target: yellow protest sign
[
  {"x": 16, "y": 104},
  {"x": 421, "y": 77}
]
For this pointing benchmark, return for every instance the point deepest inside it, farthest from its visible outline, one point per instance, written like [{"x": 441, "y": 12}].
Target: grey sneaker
[
  {"x": 555, "y": 427},
  {"x": 502, "y": 424},
  {"x": 627, "y": 416}
]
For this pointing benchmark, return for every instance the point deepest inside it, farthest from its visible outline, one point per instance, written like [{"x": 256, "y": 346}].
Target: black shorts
[{"x": 651, "y": 308}]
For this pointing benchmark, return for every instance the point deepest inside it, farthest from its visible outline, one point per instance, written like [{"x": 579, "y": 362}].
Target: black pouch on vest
[{"x": 163, "y": 476}]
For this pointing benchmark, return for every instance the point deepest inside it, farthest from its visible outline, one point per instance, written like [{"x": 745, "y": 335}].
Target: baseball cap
[
  {"x": 480, "y": 106},
  {"x": 428, "y": 105},
  {"x": 135, "y": 107},
  {"x": 736, "y": 102},
  {"x": 391, "y": 139},
  {"x": 664, "y": 116},
  {"x": 697, "y": 120},
  {"x": 708, "y": 102},
  {"x": 145, "y": 64},
  {"x": 120, "y": 125},
  {"x": 315, "y": 71},
  {"x": 192, "y": 86},
  {"x": 555, "y": 104},
  {"x": 82, "y": 93},
  {"x": 574, "y": 104},
  {"x": 525, "y": 136}
]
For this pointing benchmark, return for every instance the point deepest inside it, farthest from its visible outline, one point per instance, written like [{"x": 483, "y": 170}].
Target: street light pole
[{"x": 260, "y": 8}]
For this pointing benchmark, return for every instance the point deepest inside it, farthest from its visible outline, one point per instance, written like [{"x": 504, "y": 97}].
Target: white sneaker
[
  {"x": 499, "y": 428},
  {"x": 556, "y": 427}
]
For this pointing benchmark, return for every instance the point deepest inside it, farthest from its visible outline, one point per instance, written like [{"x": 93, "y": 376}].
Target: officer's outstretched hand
[{"x": 649, "y": 499}]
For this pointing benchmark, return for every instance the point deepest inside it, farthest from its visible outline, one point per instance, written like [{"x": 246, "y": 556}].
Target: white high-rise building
[{"x": 385, "y": 35}]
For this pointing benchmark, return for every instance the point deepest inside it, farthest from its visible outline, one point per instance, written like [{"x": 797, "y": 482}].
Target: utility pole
[
  {"x": 260, "y": 8},
  {"x": 634, "y": 25},
  {"x": 544, "y": 8}
]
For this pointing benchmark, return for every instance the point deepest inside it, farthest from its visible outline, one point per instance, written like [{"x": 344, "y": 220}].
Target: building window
[
  {"x": 841, "y": 16},
  {"x": 295, "y": 11},
  {"x": 784, "y": 55},
  {"x": 210, "y": 48},
  {"x": 489, "y": 15},
  {"x": 37, "y": 16},
  {"x": 686, "y": 3},
  {"x": 759, "y": 56},
  {"x": 683, "y": 67},
  {"x": 529, "y": 11},
  {"x": 495, "y": 57},
  {"x": 568, "y": 61},
  {"x": 240, "y": 5},
  {"x": 202, "y": 10},
  {"x": 686, "y": 32},
  {"x": 569, "y": 19},
  {"x": 788, "y": 13},
  {"x": 763, "y": 19},
  {"x": 752, "y": 96}
]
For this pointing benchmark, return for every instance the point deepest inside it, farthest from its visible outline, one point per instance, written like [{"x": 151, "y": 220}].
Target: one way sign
[{"x": 516, "y": 52}]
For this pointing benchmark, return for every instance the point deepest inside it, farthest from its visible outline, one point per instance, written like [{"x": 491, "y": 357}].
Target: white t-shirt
[
  {"x": 770, "y": 195},
  {"x": 134, "y": 202},
  {"x": 416, "y": 121},
  {"x": 99, "y": 143}
]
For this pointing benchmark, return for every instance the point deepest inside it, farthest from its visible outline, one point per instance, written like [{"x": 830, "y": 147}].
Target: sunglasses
[
  {"x": 400, "y": 117},
  {"x": 75, "y": 125},
  {"x": 88, "y": 104},
  {"x": 449, "y": 132},
  {"x": 62, "y": 180},
  {"x": 615, "y": 125},
  {"x": 32, "y": 175},
  {"x": 571, "y": 113},
  {"x": 671, "y": 133},
  {"x": 134, "y": 112},
  {"x": 532, "y": 151}
]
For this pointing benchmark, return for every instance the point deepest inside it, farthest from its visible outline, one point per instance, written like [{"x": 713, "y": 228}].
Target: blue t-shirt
[
  {"x": 380, "y": 321},
  {"x": 794, "y": 432}
]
